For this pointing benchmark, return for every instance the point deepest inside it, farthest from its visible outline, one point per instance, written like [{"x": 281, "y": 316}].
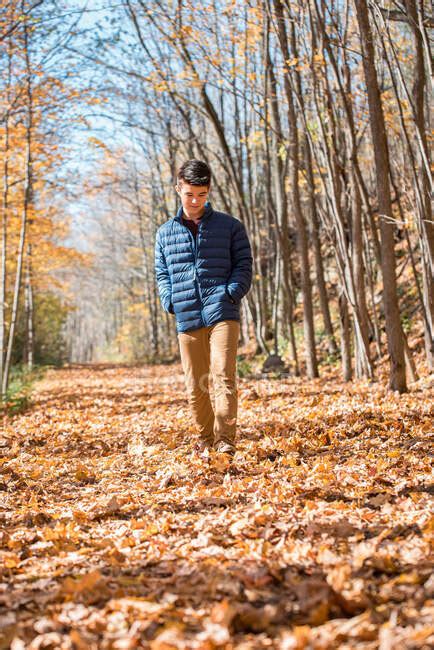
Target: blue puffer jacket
[{"x": 202, "y": 282}]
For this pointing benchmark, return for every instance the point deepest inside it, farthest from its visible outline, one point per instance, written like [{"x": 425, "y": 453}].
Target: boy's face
[{"x": 193, "y": 197}]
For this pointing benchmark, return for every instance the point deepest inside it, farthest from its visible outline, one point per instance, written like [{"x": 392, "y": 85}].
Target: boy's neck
[{"x": 196, "y": 218}]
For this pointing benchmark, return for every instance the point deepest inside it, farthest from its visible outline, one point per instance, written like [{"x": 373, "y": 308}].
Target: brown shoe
[
  {"x": 223, "y": 447},
  {"x": 202, "y": 448}
]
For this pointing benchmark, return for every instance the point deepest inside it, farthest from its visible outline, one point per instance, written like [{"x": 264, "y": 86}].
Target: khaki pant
[{"x": 214, "y": 349}]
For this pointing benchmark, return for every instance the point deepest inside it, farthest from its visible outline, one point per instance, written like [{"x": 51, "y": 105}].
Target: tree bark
[
  {"x": 395, "y": 340},
  {"x": 4, "y": 222},
  {"x": 29, "y": 314},
  {"x": 419, "y": 91},
  {"x": 308, "y": 318},
  {"x": 28, "y": 176},
  {"x": 344, "y": 320}
]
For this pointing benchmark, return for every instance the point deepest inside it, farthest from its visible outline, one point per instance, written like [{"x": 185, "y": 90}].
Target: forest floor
[{"x": 115, "y": 533}]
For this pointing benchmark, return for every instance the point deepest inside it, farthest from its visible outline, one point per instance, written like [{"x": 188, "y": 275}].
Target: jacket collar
[{"x": 208, "y": 212}]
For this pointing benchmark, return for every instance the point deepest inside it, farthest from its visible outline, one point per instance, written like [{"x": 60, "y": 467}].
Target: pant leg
[
  {"x": 195, "y": 359},
  {"x": 224, "y": 338}
]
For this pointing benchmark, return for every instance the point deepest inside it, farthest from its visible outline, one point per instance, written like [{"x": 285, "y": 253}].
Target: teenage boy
[{"x": 203, "y": 265}]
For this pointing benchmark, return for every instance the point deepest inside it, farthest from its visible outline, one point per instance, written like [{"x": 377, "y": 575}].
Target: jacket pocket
[{"x": 229, "y": 297}]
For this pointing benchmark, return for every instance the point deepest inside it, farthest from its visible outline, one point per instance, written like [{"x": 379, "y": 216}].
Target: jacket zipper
[
  {"x": 195, "y": 242},
  {"x": 195, "y": 272}
]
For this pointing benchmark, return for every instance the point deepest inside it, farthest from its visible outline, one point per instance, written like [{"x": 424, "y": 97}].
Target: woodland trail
[{"x": 115, "y": 534}]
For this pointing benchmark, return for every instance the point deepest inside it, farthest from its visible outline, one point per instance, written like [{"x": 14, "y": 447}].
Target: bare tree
[{"x": 395, "y": 339}]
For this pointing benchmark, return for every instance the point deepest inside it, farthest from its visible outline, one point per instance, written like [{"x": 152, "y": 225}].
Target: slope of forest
[{"x": 115, "y": 533}]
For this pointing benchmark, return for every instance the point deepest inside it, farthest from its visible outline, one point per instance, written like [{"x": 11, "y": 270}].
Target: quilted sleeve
[
  {"x": 162, "y": 274},
  {"x": 241, "y": 254}
]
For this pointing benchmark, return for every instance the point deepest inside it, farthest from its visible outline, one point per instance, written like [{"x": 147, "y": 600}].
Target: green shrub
[
  {"x": 49, "y": 343},
  {"x": 21, "y": 381}
]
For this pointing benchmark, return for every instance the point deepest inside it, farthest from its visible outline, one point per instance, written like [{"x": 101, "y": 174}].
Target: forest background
[
  {"x": 315, "y": 119},
  {"x": 115, "y": 531}
]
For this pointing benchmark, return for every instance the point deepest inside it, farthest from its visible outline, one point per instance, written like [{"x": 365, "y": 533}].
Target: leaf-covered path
[{"x": 116, "y": 534}]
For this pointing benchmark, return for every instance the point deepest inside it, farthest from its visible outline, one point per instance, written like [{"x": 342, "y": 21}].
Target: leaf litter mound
[{"x": 116, "y": 534}]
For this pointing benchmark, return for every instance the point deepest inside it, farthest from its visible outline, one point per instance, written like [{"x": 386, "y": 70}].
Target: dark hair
[{"x": 195, "y": 172}]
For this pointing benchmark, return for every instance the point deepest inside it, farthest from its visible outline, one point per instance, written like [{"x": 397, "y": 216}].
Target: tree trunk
[
  {"x": 24, "y": 213},
  {"x": 28, "y": 292},
  {"x": 279, "y": 176},
  {"x": 344, "y": 321},
  {"x": 318, "y": 259},
  {"x": 419, "y": 91},
  {"x": 395, "y": 338},
  {"x": 4, "y": 221},
  {"x": 362, "y": 343},
  {"x": 308, "y": 319}
]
